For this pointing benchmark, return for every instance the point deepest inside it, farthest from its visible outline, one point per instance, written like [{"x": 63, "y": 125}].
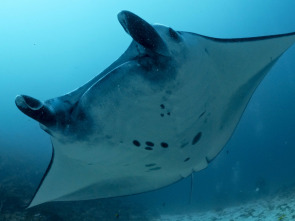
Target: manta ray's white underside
[{"x": 145, "y": 122}]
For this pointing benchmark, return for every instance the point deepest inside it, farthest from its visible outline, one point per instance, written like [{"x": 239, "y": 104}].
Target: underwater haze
[{"x": 49, "y": 48}]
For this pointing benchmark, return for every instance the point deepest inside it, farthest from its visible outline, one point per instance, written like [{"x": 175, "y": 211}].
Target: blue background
[{"x": 48, "y": 48}]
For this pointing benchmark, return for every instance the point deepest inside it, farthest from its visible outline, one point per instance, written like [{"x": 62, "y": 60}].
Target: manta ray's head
[{"x": 151, "y": 57}]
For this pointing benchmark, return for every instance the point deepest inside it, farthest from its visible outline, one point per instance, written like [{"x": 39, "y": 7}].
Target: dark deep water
[{"x": 49, "y": 48}]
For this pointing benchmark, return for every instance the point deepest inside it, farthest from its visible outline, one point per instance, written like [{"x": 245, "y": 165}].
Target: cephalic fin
[
  {"x": 143, "y": 33},
  {"x": 36, "y": 109}
]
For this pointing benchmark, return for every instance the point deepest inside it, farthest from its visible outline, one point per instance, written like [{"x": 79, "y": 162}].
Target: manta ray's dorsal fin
[{"x": 143, "y": 33}]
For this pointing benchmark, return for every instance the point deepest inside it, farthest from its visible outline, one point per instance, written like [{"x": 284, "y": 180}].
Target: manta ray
[{"x": 164, "y": 109}]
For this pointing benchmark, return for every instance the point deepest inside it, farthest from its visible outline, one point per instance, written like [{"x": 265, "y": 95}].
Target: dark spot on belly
[
  {"x": 136, "y": 143},
  {"x": 150, "y": 165},
  {"x": 162, "y": 106},
  {"x": 149, "y": 143},
  {"x": 187, "y": 159},
  {"x": 155, "y": 168},
  {"x": 164, "y": 145},
  {"x": 168, "y": 113},
  {"x": 148, "y": 148},
  {"x": 197, "y": 138},
  {"x": 162, "y": 115}
]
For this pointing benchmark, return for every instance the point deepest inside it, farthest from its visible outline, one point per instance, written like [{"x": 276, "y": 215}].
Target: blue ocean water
[{"x": 48, "y": 48}]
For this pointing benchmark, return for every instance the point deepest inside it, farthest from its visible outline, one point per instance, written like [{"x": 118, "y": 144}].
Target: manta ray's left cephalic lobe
[{"x": 164, "y": 109}]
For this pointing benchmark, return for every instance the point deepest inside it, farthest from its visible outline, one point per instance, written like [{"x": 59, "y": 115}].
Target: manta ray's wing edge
[
  {"x": 257, "y": 38},
  {"x": 31, "y": 203}
]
